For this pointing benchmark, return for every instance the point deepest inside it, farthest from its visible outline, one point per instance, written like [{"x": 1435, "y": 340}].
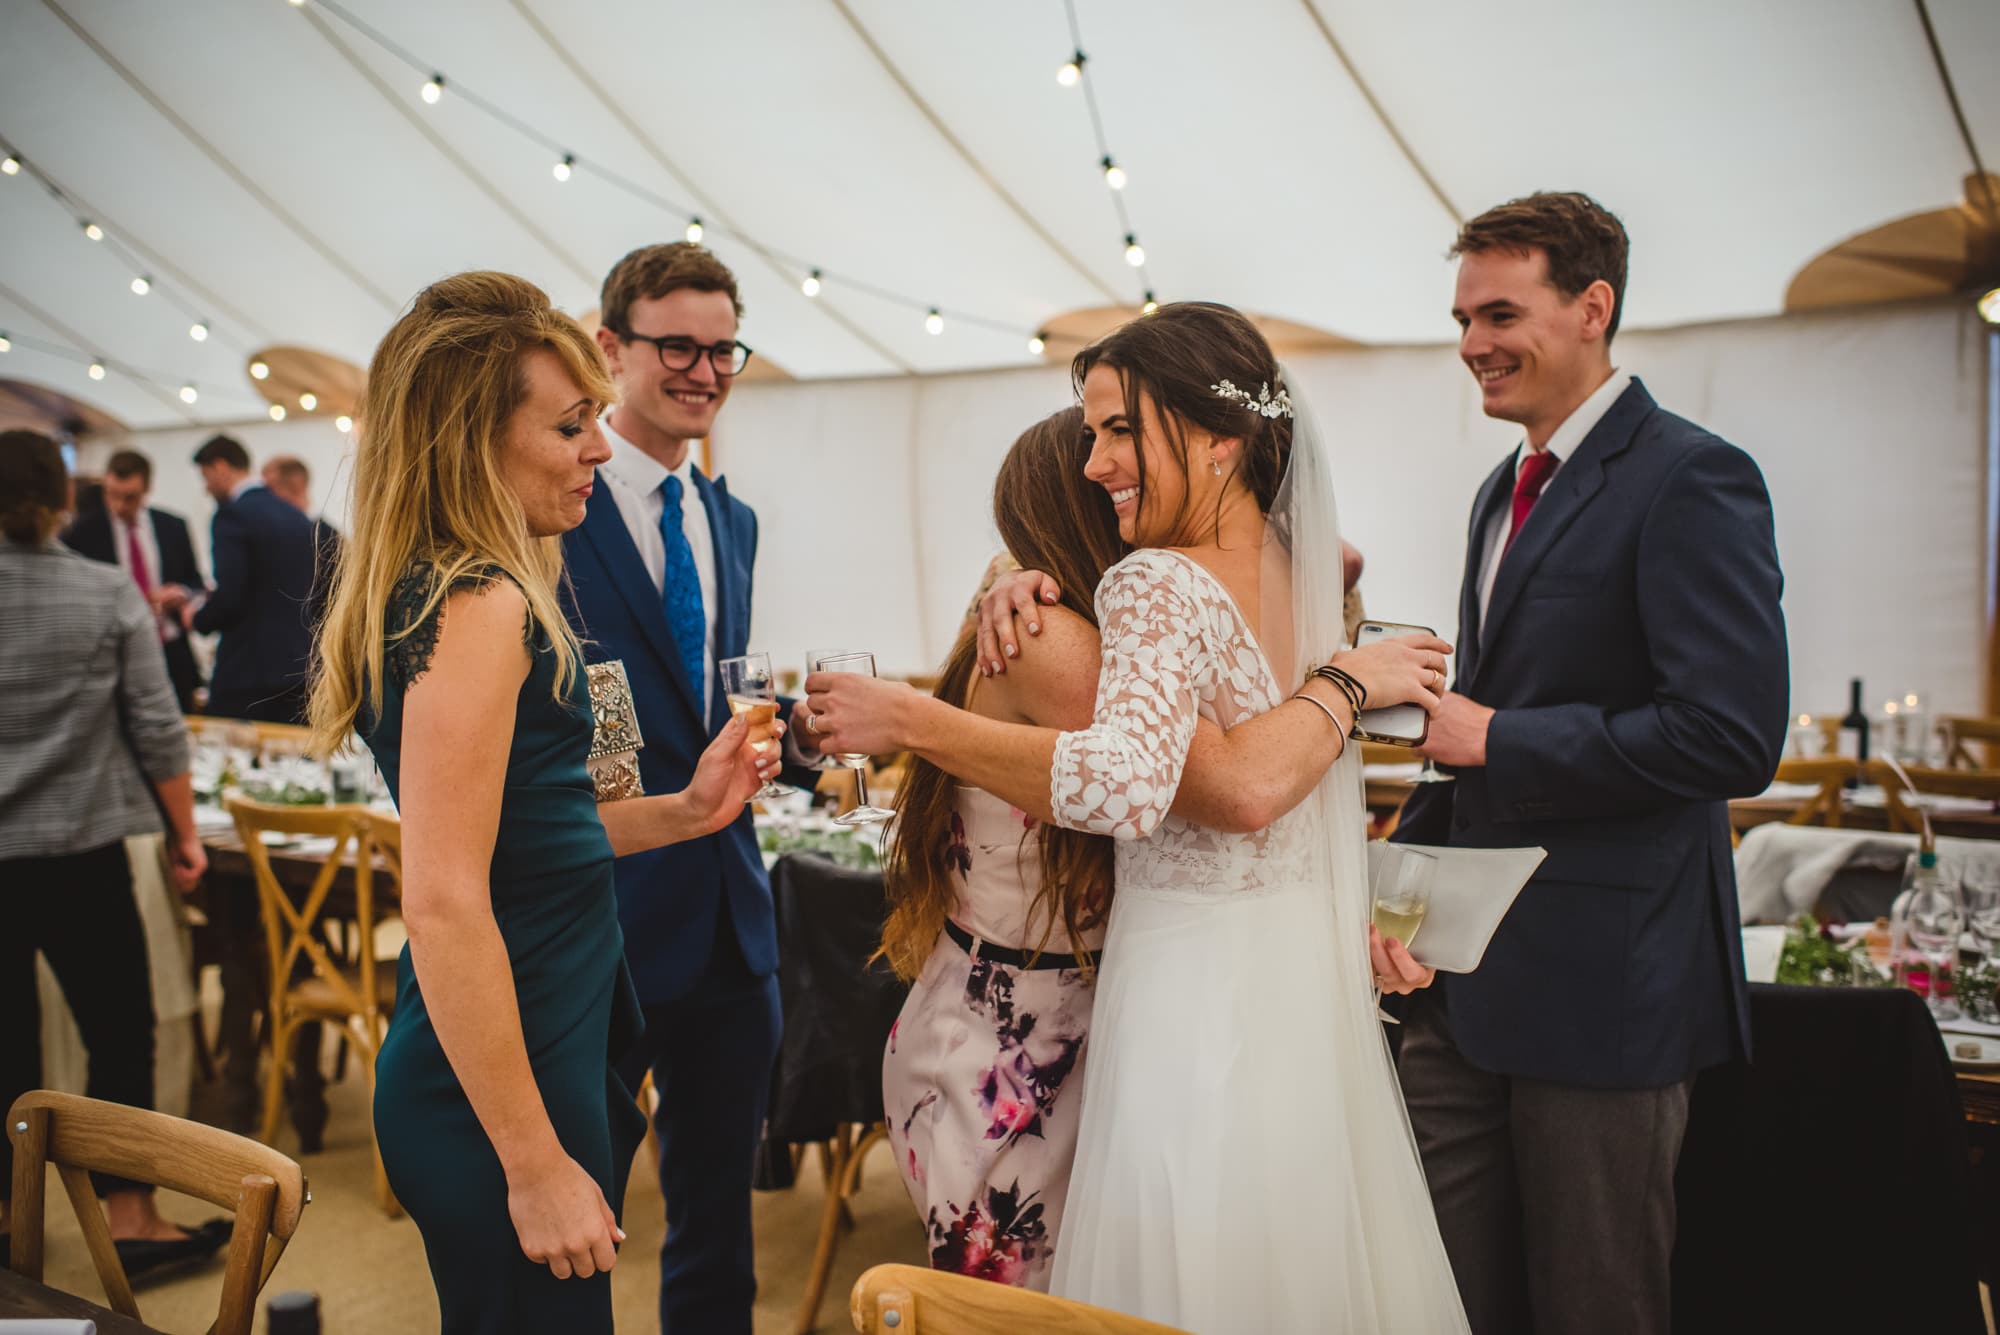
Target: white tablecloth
[
  {"x": 1781, "y": 870},
  {"x": 64, "y": 1064}
]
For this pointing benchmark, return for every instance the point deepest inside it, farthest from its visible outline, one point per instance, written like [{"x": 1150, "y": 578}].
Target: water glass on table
[
  {"x": 849, "y": 661},
  {"x": 1981, "y": 891},
  {"x": 1936, "y": 920},
  {"x": 752, "y": 691}
]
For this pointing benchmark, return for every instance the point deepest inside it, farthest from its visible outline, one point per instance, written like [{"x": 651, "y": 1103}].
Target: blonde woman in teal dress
[{"x": 506, "y": 1133}]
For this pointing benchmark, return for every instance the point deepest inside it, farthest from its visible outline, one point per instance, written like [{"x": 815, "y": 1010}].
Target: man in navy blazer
[
  {"x": 263, "y": 553},
  {"x": 153, "y": 547},
  {"x": 660, "y": 578},
  {"x": 1621, "y": 673}
]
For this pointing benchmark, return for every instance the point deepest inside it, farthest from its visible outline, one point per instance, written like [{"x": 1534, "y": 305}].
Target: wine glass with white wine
[
  {"x": 1402, "y": 895},
  {"x": 841, "y": 661},
  {"x": 752, "y": 692}
]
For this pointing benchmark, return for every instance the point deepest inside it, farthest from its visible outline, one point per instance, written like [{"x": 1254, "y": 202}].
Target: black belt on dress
[{"x": 1012, "y": 958}]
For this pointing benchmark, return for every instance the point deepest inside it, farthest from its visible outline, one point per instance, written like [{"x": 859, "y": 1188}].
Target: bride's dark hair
[{"x": 1175, "y": 357}]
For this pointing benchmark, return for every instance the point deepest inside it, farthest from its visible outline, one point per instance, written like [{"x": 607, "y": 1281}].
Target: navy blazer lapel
[
  {"x": 1575, "y": 483},
  {"x": 1498, "y": 484},
  {"x": 604, "y": 529},
  {"x": 715, "y": 500}
]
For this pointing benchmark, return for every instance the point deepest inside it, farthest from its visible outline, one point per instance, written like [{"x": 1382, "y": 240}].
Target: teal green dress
[{"x": 554, "y": 903}]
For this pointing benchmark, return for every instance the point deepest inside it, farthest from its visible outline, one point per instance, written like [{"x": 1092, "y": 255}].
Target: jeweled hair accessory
[{"x": 1263, "y": 403}]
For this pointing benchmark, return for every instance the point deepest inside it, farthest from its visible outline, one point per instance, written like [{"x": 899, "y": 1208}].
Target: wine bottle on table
[{"x": 1854, "y": 730}]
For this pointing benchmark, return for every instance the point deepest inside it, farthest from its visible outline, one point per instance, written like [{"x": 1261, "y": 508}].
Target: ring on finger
[{"x": 812, "y": 723}]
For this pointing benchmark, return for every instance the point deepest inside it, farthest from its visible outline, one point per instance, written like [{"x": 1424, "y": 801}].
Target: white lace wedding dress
[{"x": 1244, "y": 1163}]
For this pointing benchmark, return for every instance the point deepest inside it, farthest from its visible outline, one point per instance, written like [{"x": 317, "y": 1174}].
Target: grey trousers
[{"x": 1556, "y": 1202}]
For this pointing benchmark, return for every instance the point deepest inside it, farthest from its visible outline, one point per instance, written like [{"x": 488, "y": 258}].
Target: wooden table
[
  {"x": 1979, "y": 1091},
  {"x": 22, "y": 1297}
]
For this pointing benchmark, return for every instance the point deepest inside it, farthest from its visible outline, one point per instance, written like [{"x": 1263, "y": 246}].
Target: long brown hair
[
  {"x": 1177, "y": 356},
  {"x": 1054, "y": 520},
  {"x": 427, "y": 482}
]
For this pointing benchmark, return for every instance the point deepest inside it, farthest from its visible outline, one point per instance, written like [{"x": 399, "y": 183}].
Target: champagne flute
[
  {"x": 752, "y": 692},
  {"x": 1402, "y": 896},
  {"x": 863, "y": 813},
  {"x": 1430, "y": 773}
]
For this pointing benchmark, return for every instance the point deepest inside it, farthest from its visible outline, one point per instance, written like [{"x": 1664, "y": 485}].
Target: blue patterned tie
[{"x": 681, "y": 593}]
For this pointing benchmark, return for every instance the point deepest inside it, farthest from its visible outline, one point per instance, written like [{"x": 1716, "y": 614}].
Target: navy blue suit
[
  {"x": 263, "y": 551},
  {"x": 700, "y": 937},
  {"x": 1635, "y": 651}
]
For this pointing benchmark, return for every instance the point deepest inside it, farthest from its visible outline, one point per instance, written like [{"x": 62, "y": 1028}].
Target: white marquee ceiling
[{"x": 274, "y": 170}]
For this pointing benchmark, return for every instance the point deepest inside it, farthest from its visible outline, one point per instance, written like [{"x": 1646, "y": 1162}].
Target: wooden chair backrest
[
  {"x": 1831, "y": 773},
  {"x": 1983, "y": 785},
  {"x": 290, "y": 929},
  {"x": 915, "y": 1300},
  {"x": 79, "y": 1136},
  {"x": 1962, "y": 733}
]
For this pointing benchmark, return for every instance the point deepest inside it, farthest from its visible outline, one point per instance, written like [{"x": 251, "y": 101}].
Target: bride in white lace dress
[{"x": 1244, "y": 1163}]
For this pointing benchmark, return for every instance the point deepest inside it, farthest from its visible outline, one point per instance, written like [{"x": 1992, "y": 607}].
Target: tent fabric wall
[{"x": 874, "y": 495}]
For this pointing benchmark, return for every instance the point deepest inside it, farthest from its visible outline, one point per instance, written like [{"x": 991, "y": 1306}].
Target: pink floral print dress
[{"x": 984, "y": 1067}]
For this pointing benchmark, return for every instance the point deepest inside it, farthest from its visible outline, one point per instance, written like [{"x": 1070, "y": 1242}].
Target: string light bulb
[
  {"x": 433, "y": 89},
  {"x": 6, "y": 344},
  {"x": 96, "y": 370},
  {"x": 1036, "y": 343},
  {"x": 308, "y": 401},
  {"x": 934, "y": 323},
  {"x": 1070, "y": 71},
  {"x": 1989, "y": 307},
  {"x": 141, "y": 285},
  {"x": 189, "y": 394},
  {"x": 694, "y": 231},
  {"x": 297, "y": 4},
  {"x": 259, "y": 370},
  {"x": 277, "y": 411},
  {"x": 198, "y": 331},
  {"x": 93, "y": 231},
  {"x": 1114, "y": 175},
  {"x": 811, "y": 285},
  {"x": 562, "y": 169},
  {"x": 1151, "y": 304},
  {"x": 10, "y": 165},
  {"x": 1135, "y": 254},
  {"x": 343, "y": 424}
]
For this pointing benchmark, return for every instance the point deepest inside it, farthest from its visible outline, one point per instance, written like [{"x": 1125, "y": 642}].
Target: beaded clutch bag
[{"x": 615, "y": 741}]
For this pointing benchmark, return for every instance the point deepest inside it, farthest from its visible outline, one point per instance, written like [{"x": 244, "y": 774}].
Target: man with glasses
[{"x": 660, "y": 573}]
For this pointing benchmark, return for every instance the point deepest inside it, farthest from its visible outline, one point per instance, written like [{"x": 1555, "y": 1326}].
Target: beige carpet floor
[{"x": 370, "y": 1274}]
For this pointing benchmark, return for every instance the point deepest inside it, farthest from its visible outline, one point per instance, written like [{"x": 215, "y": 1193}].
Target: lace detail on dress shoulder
[
  {"x": 1176, "y": 650},
  {"x": 413, "y": 634}
]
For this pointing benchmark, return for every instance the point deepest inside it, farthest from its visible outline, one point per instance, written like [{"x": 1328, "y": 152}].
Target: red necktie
[
  {"x": 137, "y": 556},
  {"x": 1535, "y": 471}
]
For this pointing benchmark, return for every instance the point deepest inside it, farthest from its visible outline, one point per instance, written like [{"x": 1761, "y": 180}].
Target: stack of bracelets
[{"x": 1345, "y": 682}]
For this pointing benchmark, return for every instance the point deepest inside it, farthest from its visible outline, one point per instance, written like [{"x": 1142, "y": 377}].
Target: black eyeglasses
[{"x": 679, "y": 353}]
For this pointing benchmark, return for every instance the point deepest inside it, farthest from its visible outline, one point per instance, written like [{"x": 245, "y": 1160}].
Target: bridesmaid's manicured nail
[
  {"x": 1034, "y": 628},
  {"x": 1010, "y": 651}
]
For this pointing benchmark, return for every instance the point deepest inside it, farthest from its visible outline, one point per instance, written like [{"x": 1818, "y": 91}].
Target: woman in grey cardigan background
[{"x": 92, "y": 749}]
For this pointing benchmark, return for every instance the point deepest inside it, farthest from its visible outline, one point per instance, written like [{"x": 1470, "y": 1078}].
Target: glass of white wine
[
  {"x": 1402, "y": 896},
  {"x": 753, "y": 695},
  {"x": 843, "y": 661}
]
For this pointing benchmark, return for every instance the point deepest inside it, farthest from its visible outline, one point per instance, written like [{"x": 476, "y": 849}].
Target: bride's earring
[{"x": 1216, "y": 464}]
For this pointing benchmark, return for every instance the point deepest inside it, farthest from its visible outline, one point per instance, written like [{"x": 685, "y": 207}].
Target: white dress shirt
[
  {"x": 635, "y": 479},
  {"x": 1562, "y": 444},
  {"x": 149, "y": 551}
]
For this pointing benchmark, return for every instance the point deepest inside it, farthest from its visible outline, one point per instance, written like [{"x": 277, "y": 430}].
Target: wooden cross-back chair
[
  {"x": 1981, "y": 785},
  {"x": 1831, "y": 774},
  {"x": 347, "y": 987},
  {"x": 1962, "y": 733},
  {"x": 266, "y": 1190},
  {"x": 913, "y": 1300}
]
